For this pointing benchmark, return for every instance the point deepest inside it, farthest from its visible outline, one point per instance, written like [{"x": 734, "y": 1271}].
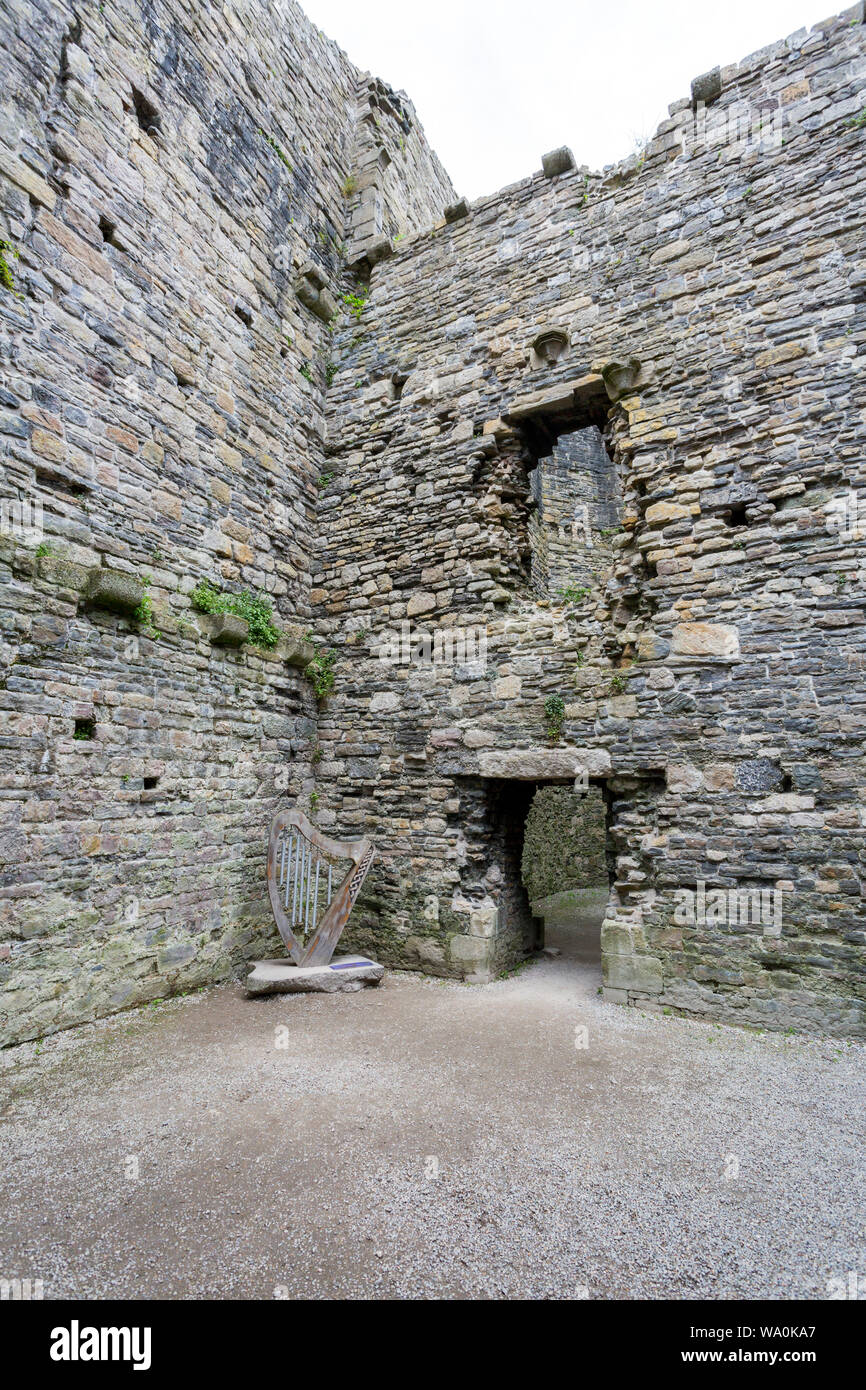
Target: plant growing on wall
[
  {"x": 144, "y": 614},
  {"x": 255, "y": 609},
  {"x": 554, "y": 714},
  {"x": 6, "y": 279},
  {"x": 276, "y": 148},
  {"x": 573, "y": 593},
  {"x": 321, "y": 672},
  {"x": 355, "y": 303},
  {"x": 617, "y": 685}
]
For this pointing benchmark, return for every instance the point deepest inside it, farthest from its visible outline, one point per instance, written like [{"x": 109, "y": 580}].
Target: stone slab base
[{"x": 344, "y": 974}]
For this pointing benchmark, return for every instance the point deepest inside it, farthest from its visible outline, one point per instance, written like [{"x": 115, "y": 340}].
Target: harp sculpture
[{"x": 311, "y": 893}]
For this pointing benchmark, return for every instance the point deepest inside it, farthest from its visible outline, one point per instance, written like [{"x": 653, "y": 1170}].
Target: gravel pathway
[{"x": 430, "y": 1140}]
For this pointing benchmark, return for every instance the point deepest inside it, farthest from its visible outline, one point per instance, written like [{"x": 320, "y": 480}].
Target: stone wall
[
  {"x": 252, "y": 336},
  {"x": 171, "y": 177},
  {"x": 711, "y": 293}
]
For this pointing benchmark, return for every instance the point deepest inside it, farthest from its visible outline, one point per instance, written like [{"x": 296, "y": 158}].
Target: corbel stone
[
  {"x": 229, "y": 630},
  {"x": 311, "y": 289},
  {"x": 622, "y": 378},
  {"x": 707, "y": 88},
  {"x": 114, "y": 589},
  {"x": 557, "y": 162}
]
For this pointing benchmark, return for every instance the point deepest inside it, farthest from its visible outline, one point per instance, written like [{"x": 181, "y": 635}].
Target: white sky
[{"x": 497, "y": 83}]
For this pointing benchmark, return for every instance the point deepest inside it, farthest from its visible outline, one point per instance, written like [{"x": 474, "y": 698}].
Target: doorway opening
[
  {"x": 543, "y": 851},
  {"x": 566, "y": 869}
]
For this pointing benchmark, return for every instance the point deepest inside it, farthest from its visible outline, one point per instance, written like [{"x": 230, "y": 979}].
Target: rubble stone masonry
[{"x": 570, "y": 478}]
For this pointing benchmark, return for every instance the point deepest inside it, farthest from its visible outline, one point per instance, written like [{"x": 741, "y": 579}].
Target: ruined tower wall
[
  {"x": 712, "y": 287},
  {"x": 169, "y": 175}
]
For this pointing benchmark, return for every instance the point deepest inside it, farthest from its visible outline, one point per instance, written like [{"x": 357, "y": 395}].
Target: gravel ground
[{"x": 430, "y": 1140}]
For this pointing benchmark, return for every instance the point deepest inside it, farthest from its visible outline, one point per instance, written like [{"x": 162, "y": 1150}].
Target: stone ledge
[
  {"x": 228, "y": 630},
  {"x": 114, "y": 590}
]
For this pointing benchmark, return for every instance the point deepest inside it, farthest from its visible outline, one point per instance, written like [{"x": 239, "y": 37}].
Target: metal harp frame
[{"x": 283, "y": 884}]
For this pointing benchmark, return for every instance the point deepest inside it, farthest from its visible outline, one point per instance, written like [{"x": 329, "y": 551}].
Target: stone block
[
  {"x": 637, "y": 974},
  {"x": 616, "y": 939},
  {"x": 295, "y": 651},
  {"x": 544, "y": 764},
  {"x": 469, "y": 951},
  {"x": 682, "y": 777},
  {"x": 426, "y": 950},
  {"x": 114, "y": 590},
  {"x": 705, "y": 640},
  {"x": 455, "y": 211},
  {"x": 483, "y": 921},
  {"x": 667, "y": 511},
  {"x": 557, "y": 162},
  {"x": 651, "y": 647},
  {"x": 345, "y": 975},
  {"x": 379, "y": 250},
  {"x": 621, "y": 378},
  {"x": 229, "y": 630},
  {"x": 707, "y": 88},
  {"x": 757, "y": 775}
]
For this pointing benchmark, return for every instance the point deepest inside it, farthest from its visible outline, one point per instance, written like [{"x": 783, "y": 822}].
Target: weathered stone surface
[
  {"x": 564, "y": 842},
  {"x": 558, "y": 161},
  {"x": 229, "y": 630},
  {"x": 637, "y": 974},
  {"x": 115, "y": 590},
  {"x": 345, "y": 974},
  {"x": 705, "y": 639},
  {"x": 682, "y": 777},
  {"x": 544, "y": 764},
  {"x": 668, "y": 552},
  {"x": 708, "y": 87}
]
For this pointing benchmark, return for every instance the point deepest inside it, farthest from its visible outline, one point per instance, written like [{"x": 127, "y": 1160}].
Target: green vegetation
[
  {"x": 321, "y": 672},
  {"x": 858, "y": 121},
  {"x": 554, "y": 714},
  {"x": 42, "y": 549},
  {"x": 617, "y": 685},
  {"x": 144, "y": 614},
  {"x": 306, "y": 371},
  {"x": 6, "y": 278},
  {"x": 255, "y": 609},
  {"x": 275, "y": 147},
  {"x": 356, "y": 302},
  {"x": 573, "y": 593},
  {"x": 349, "y": 186}
]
